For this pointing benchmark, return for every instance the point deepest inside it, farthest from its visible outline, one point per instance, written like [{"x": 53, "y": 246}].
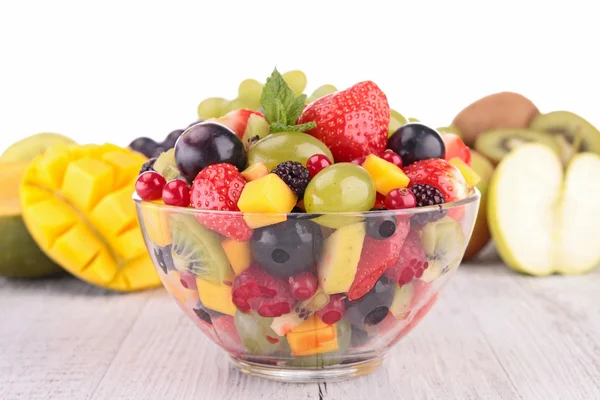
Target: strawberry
[
  {"x": 227, "y": 333},
  {"x": 455, "y": 147},
  {"x": 248, "y": 125},
  {"x": 218, "y": 187},
  {"x": 353, "y": 123},
  {"x": 439, "y": 174},
  {"x": 376, "y": 257},
  {"x": 379, "y": 201},
  {"x": 412, "y": 261}
]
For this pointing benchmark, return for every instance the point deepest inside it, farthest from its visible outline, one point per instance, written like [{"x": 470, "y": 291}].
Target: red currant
[
  {"x": 333, "y": 311},
  {"x": 392, "y": 157},
  {"x": 316, "y": 163},
  {"x": 303, "y": 286},
  {"x": 401, "y": 198},
  {"x": 149, "y": 185},
  {"x": 176, "y": 193}
]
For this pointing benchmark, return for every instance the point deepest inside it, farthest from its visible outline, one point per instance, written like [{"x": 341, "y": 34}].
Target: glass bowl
[{"x": 309, "y": 297}]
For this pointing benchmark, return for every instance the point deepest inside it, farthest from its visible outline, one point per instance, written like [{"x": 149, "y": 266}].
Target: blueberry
[
  {"x": 373, "y": 307},
  {"x": 381, "y": 227},
  {"x": 205, "y": 144},
  {"x": 144, "y": 145},
  {"x": 415, "y": 142},
  {"x": 288, "y": 248}
]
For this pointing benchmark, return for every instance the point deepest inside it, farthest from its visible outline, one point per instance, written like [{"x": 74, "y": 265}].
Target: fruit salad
[{"x": 307, "y": 234}]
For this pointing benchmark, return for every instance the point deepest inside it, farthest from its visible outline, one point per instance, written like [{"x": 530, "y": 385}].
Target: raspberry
[
  {"x": 427, "y": 195},
  {"x": 255, "y": 290},
  {"x": 412, "y": 261},
  {"x": 294, "y": 175},
  {"x": 147, "y": 166}
]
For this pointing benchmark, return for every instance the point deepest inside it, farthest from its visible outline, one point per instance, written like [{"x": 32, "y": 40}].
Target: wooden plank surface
[{"x": 493, "y": 334}]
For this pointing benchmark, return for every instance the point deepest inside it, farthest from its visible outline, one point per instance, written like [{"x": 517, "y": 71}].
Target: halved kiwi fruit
[
  {"x": 197, "y": 250},
  {"x": 166, "y": 166},
  {"x": 497, "y": 143},
  {"x": 573, "y": 133}
]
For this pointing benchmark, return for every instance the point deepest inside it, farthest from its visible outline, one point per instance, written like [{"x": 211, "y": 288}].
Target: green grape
[
  {"x": 342, "y": 187},
  {"x": 411, "y": 119},
  {"x": 296, "y": 80},
  {"x": 396, "y": 121},
  {"x": 250, "y": 88},
  {"x": 286, "y": 146},
  {"x": 254, "y": 330},
  {"x": 244, "y": 102},
  {"x": 320, "y": 92},
  {"x": 449, "y": 129},
  {"x": 213, "y": 107}
]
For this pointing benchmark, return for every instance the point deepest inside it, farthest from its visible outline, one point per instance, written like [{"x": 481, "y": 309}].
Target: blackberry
[
  {"x": 427, "y": 195},
  {"x": 147, "y": 166},
  {"x": 294, "y": 175}
]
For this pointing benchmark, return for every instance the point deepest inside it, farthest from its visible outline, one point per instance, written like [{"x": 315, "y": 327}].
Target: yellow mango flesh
[
  {"x": 265, "y": 195},
  {"x": 238, "y": 254},
  {"x": 385, "y": 175},
  {"x": 312, "y": 336},
  {"x": 216, "y": 296},
  {"x": 77, "y": 204},
  {"x": 471, "y": 177},
  {"x": 255, "y": 171}
]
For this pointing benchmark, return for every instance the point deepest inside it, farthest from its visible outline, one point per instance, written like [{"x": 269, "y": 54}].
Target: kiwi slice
[
  {"x": 444, "y": 244},
  {"x": 573, "y": 133},
  {"x": 166, "y": 166},
  {"x": 497, "y": 143},
  {"x": 197, "y": 250},
  {"x": 28, "y": 148}
]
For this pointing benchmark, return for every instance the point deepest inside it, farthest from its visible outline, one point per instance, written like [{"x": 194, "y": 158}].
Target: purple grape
[
  {"x": 205, "y": 144},
  {"x": 171, "y": 139},
  {"x": 144, "y": 145}
]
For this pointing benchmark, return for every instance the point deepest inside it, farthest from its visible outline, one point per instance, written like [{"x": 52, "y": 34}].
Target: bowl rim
[{"x": 472, "y": 198}]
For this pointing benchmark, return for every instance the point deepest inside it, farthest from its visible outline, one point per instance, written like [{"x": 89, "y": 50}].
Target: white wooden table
[{"x": 493, "y": 335}]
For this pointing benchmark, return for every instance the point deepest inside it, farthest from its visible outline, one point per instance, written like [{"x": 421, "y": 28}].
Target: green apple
[
  {"x": 544, "y": 219},
  {"x": 481, "y": 232}
]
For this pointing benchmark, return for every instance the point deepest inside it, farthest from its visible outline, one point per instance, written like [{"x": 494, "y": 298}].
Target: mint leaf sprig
[{"x": 281, "y": 105}]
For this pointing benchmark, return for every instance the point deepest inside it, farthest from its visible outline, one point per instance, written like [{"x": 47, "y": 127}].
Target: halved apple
[{"x": 545, "y": 220}]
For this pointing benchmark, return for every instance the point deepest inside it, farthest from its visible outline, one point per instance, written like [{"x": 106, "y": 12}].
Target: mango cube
[
  {"x": 238, "y": 254},
  {"x": 471, "y": 177},
  {"x": 216, "y": 296},
  {"x": 312, "y": 336},
  {"x": 266, "y": 195},
  {"x": 86, "y": 182},
  {"x": 255, "y": 171},
  {"x": 385, "y": 175}
]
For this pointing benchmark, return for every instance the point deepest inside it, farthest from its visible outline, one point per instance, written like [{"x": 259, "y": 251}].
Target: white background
[{"x": 116, "y": 70}]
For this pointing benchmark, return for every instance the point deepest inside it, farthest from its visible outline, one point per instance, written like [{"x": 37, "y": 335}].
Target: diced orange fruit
[
  {"x": 238, "y": 254},
  {"x": 385, "y": 175},
  {"x": 156, "y": 224},
  {"x": 265, "y": 195},
  {"x": 471, "y": 177},
  {"x": 255, "y": 171},
  {"x": 77, "y": 205},
  {"x": 216, "y": 297},
  {"x": 312, "y": 337}
]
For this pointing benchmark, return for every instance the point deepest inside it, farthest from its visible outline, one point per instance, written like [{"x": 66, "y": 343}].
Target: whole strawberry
[
  {"x": 218, "y": 187},
  {"x": 353, "y": 123},
  {"x": 440, "y": 174}
]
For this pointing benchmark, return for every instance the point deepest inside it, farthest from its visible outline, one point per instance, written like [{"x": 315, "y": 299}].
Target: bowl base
[{"x": 332, "y": 373}]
